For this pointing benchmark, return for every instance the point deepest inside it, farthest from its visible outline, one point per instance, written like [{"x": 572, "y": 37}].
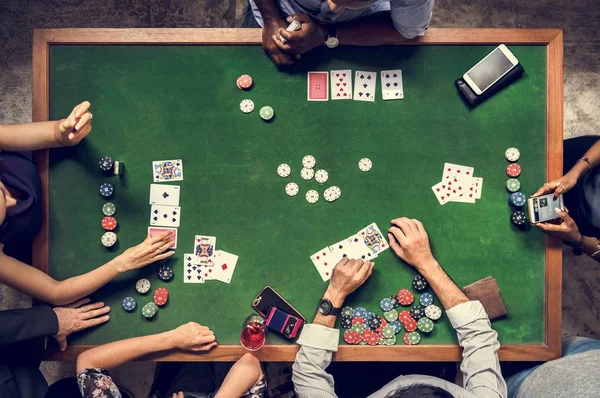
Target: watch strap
[{"x": 331, "y": 30}]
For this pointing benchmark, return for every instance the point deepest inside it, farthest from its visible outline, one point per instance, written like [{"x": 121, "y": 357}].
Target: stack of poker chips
[
  {"x": 109, "y": 223},
  {"x": 516, "y": 199},
  {"x": 160, "y": 296}
]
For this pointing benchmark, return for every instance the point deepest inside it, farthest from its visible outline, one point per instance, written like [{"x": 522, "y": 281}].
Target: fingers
[
  {"x": 549, "y": 227},
  {"x": 398, "y": 234},
  {"x": 303, "y": 18},
  {"x": 394, "y": 245},
  {"x": 92, "y": 306},
  {"x": 343, "y": 262},
  {"x": 79, "y": 303},
  {"x": 208, "y": 347},
  {"x": 562, "y": 214},
  {"x": 83, "y": 121},
  {"x": 405, "y": 225},
  {"x": 62, "y": 344},
  {"x": 164, "y": 255},
  {"x": 419, "y": 225},
  {"x": 560, "y": 189},
  {"x": 81, "y": 134},
  {"x": 90, "y": 323},
  {"x": 82, "y": 108},
  {"x": 95, "y": 313},
  {"x": 365, "y": 271},
  {"x": 544, "y": 189},
  {"x": 160, "y": 237}
]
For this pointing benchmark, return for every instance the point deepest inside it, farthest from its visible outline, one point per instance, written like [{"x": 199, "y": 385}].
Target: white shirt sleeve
[{"x": 411, "y": 17}]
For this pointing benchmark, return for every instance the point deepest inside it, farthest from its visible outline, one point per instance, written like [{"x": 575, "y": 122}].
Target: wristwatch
[
  {"x": 332, "y": 40},
  {"x": 326, "y": 308}
]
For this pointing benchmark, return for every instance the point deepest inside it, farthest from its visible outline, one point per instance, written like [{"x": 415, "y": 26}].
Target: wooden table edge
[{"x": 551, "y": 38}]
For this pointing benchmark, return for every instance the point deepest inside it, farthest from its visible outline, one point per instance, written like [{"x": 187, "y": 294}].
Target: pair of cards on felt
[
  {"x": 366, "y": 244},
  {"x": 206, "y": 263},
  {"x": 458, "y": 185},
  {"x": 365, "y": 84},
  {"x": 165, "y": 210}
]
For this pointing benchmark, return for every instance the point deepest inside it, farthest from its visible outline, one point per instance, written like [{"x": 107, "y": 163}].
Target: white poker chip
[
  {"x": 109, "y": 239},
  {"x": 284, "y": 170},
  {"x": 332, "y": 193},
  {"x": 309, "y": 162},
  {"x": 292, "y": 189},
  {"x": 512, "y": 154},
  {"x": 321, "y": 176},
  {"x": 246, "y": 106},
  {"x": 433, "y": 312},
  {"x": 365, "y": 164},
  {"x": 142, "y": 286},
  {"x": 312, "y": 196},
  {"x": 307, "y": 174}
]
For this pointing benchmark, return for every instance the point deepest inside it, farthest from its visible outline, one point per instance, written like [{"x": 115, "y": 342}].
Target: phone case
[
  {"x": 268, "y": 298},
  {"x": 473, "y": 99},
  {"x": 286, "y": 324}
]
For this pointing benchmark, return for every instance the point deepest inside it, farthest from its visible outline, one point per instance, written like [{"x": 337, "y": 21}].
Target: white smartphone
[
  {"x": 490, "y": 69},
  {"x": 542, "y": 208}
]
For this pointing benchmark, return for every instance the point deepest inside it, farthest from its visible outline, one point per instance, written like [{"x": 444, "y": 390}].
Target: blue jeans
[{"x": 570, "y": 346}]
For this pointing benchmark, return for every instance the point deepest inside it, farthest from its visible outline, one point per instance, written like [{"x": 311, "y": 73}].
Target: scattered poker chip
[
  {"x": 247, "y": 106},
  {"x": 312, "y": 196},
  {"x": 425, "y": 325},
  {"x": 109, "y": 208},
  {"x": 426, "y": 299},
  {"x": 512, "y": 154},
  {"x": 405, "y": 297},
  {"x": 414, "y": 338},
  {"x": 417, "y": 312},
  {"x": 109, "y": 239},
  {"x": 386, "y": 304},
  {"x": 370, "y": 337},
  {"x": 161, "y": 295},
  {"x": 369, "y": 314},
  {"x": 106, "y": 189},
  {"x": 149, "y": 310},
  {"x": 321, "y": 176},
  {"x": 360, "y": 311},
  {"x": 404, "y": 315},
  {"x": 358, "y": 319},
  {"x": 391, "y": 315},
  {"x": 165, "y": 273},
  {"x": 419, "y": 283},
  {"x": 307, "y": 173},
  {"x": 410, "y": 325},
  {"x": 358, "y": 328},
  {"x": 374, "y": 321},
  {"x": 332, "y": 194},
  {"x": 397, "y": 326},
  {"x": 518, "y": 218},
  {"x": 142, "y": 286},
  {"x": 365, "y": 164},
  {"x": 513, "y": 170},
  {"x": 433, "y": 312},
  {"x": 390, "y": 341},
  {"x": 309, "y": 162},
  {"x": 517, "y": 199},
  {"x": 406, "y": 340},
  {"x": 395, "y": 301},
  {"x": 244, "y": 82},
  {"x": 383, "y": 324},
  {"x": 389, "y": 331},
  {"x": 129, "y": 304},
  {"x": 346, "y": 311},
  {"x": 352, "y": 337},
  {"x": 266, "y": 113},
  {"x": 513, "y": 185},
  {"x": 109, "y": 223},
  {"x": 346, "y": 322},
  {"x": 284, "y": 170},
  {"x": 106, "y": 163},
  {"x": 292, "y": 189}
]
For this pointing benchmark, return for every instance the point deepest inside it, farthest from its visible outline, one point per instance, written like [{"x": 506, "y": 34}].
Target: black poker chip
[
  {"x": 419, "y": 283},
  {"x": 165, "y": 273},
  {"x": 518, "y": 218},
  {"x": 106, "y": 163},
  {"x": 395, "y": 301},
  {"x": 417, "y": 312},
  {"x": 346, "y": 322},
  {"x": 374, "y": 321}
]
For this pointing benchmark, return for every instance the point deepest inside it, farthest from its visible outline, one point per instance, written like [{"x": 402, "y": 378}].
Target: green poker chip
[
  {"x": 347, "y": 311},
  {"x": 390, "y": 341},
  {"x": 149, "y": 310},
  {"x": 388, "y": 331},
  {"x": 357, "y": 327},
  {"x": 109, "y": 208},
  {"x": 425, "y": 325},
  {"x": 414, "y": 338},
  {"x": 513, "y": 185},
  {"x": 266, "y": 113},
  {"x": 391, "y": 315}
]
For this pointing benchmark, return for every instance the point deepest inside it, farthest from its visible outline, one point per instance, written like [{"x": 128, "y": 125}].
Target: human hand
[
  {"x": 271, "y": 28},
  {"x": 178, "y": 395},
  {"x": 348, "y": 275},
  {"x": 194, "y": 337},
  {"x": 558, "y": 186},
  {"x": 76, "y": 126},
  {"x": 152, "y": 249},
  {"x": 78, "y": 316},
  {"x": 567, "y": 230},
  {"x": 409, "y": 240},
  {"x": 309, "y": 36}
]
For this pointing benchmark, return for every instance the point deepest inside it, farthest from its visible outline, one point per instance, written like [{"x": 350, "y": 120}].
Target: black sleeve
[{"x": 25, "y": 324}]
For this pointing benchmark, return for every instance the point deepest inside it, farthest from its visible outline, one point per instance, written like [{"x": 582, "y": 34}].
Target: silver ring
[
  {"x": 91, "y": 116},
  {"x": 563, "y": 187}
]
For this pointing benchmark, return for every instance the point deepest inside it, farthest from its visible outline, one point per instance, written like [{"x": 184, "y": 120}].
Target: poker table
[{"x": 171, "y": 94}]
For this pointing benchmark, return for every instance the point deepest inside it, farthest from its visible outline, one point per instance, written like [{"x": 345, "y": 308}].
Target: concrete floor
[{"x": 580, "y": 20}]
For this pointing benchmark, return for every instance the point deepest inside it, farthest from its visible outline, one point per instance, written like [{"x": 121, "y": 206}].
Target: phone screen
[
  {"x": 490, "y": 69},
  {"x": 542, "y": 208}
]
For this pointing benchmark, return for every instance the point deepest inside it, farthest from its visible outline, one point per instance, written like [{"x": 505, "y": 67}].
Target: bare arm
[
  {"x": 244, "y": 374},
  {"x": 373, "y": 30},
  {"x": 445, "y": 289},
  {"x": 273, "y": 20}
]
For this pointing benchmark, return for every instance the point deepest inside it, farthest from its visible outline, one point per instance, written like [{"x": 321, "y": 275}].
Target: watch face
[
  {"x": 324, "y": 307},
  {"x": 332, "y": 42}
]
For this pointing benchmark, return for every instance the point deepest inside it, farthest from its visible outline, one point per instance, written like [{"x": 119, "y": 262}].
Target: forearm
[
  {"x": 28, "y": 323},
  {"x": 114, "y": 354},
  {"x": 29, "y": 136},
  {"x": 373, "y": 30},
  {"x": 445, "y": 289},
  {"x": 270, "y": 11},
  {"x": 589, "y": 247},
  {"x": 593, "y": 156}
]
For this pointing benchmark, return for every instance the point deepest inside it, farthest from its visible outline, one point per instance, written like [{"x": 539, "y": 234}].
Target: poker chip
[
  {"x": 405, "y": 297},
  {"x": 513, "y": 185},
  {"x": 246, "y": 106},
  {"x": 414, "y": 338},
  {"x": 513, "y": 170},
  {"x": 106, "y": 189},
  {"x": 386, "y": 304},
  {"x": 419, "y": 283},
  {"x": 370, "y": 337},
  {"x": 306, "y": 173},
  {"x": 383, "y": 324},
  {"x": 404, "y": 315},
  {"x": 309, "y": 162},
  {"x": 390, "y": 341},
  {"x": 397, "y": 326},
  {"x": 410, "y": 325},
  {"x": 109, "y": 239},
  {"x": 266, "y": 113},
  {"x": 352, "y": 337},
  {"x": 374, "y": 321},
  {"x": 358, "y": 319},
  {"x": 346, "y": 322},
  {"x": 518, "y": 218},
  {"x": 391, "y": 315},
  {"x": 425, "y": 325},
  {"x": 360, "y": 311},
  {"x": 365, "y": 164},
  {"x": 165, "y": 273},
  {"x": 118, "y": 168},
  {"x": 312, "y": 196},
  {"x": 149, "y": 310},
  {"x": 142, "y": 286},
  {"x": 109, "y": 208},
  {"x": 346, "y": 311},
  {"x": 244, "y": 82},
  {"x": 433, "y": 312},
  {"x": 369, "y": 314},
  {"x": 358, "y": 328},
  {"x": 321, "y": 176},
  {"x": 129, "y": 304},
  {"x": 284, "y": 170},
  {"x": 406, "y": 340},
  {"x": 109, "y": 223},
  {"x": 512, "y": 154},
  {"x": 417, "y": 312},
  {"x": 161, "y": 295},
  {"x": 106, "y": 163},
  {"x": 395, "y": 301},
  {"x": 332, "y": 193},
  {"x": 388, "y": 331},
  {"x": 292, "y": 189},
  {"x": 426, "y": 299},
  {"x": 517, "y": 199}
]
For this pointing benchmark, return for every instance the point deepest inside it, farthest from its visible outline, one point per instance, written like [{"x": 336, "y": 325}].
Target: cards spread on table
[
  {"x": 206, "y": 263},
  {"x": 366, "y": 244},
  {"x": 167, "y": 170},
  {"x": 341, "y": 84},
  {"x": 458, "y": 185},
  {"x": 192, "y": 273},
  {"x": 318, "y": 86},
  {"x": 167, "y": 216},
  {"x": 224, "y": 266},
  {"x": 364, "y": 86},
  {"x": 154, "y": 231},
  {"x": 391, "y": 84},
  {"x": 167, "y": 195}
]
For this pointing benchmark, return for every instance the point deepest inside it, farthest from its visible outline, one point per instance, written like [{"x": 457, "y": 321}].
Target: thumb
[
  {"x": 395, "y": 246},
  {"x": 562, "y": 214},
  {"x": 302, "y": 18},
  {"x": 62, "y": 344}
]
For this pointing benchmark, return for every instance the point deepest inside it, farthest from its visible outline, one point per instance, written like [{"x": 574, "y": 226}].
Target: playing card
[
  {"x": 456, "y": 170},
  {"x": 391, "y": 84},
  {"x": 477, "y": 186},
  {"x": 359, "y": 250},
  {"x": 323, "y": 262},
  {"x": 224, "y": 266},
  {"x": 373, "y": 238},
  {"x": 318, "y": 86},
  {"x": 204, "y": 249},
  {"x": 340, "y": 250},
  {"x": 154, "y": 231},
  {"x": 191, "y": 272},
  {"x": 444, "y": 191},
  {"x": 464, "y": 187},
  {"x": 167, "y": 216},
  {"x": 164, "y": 195},
  {"x": 341, "y": 84},
  {"x": 167, "y": 170},
  {"x": 364, "y": 86}
]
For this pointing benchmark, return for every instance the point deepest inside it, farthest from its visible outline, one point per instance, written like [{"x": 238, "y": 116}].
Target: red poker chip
[
  {"x": 410, "y": 326},
  {"x": 370, "y": 337},
  {"x": 352, "y": 337},
  {"x": 109, "y": 223},
  {"x": 406, "y": 340},
  {"x": 161, "y": 295},
  {"x": 244, "y": 82},
  {"x": 405, "y": 297},
  {"x": 358, "y": 319},
  {"x": 404, "y": 315},
  {"x": 513, "y": 170}
]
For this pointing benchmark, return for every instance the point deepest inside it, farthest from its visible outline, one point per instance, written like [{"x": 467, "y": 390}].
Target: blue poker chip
[
  {"x": 360, "y": 311},
  {"x": 386, "y": 304},
  {"x": 397, "y": 326},
  {"x": 517, "y": 199},
  {"x": 107, "y": 189},
  {"x": 129, "y": 304},
  {"x": 426, "y": 299}
]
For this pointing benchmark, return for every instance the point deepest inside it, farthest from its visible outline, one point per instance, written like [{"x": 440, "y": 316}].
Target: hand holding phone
[{"x": 542, "y": 208}]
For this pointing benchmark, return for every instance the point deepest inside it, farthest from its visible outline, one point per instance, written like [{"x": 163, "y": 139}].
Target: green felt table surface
[{"x": 167, "y": 102}]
